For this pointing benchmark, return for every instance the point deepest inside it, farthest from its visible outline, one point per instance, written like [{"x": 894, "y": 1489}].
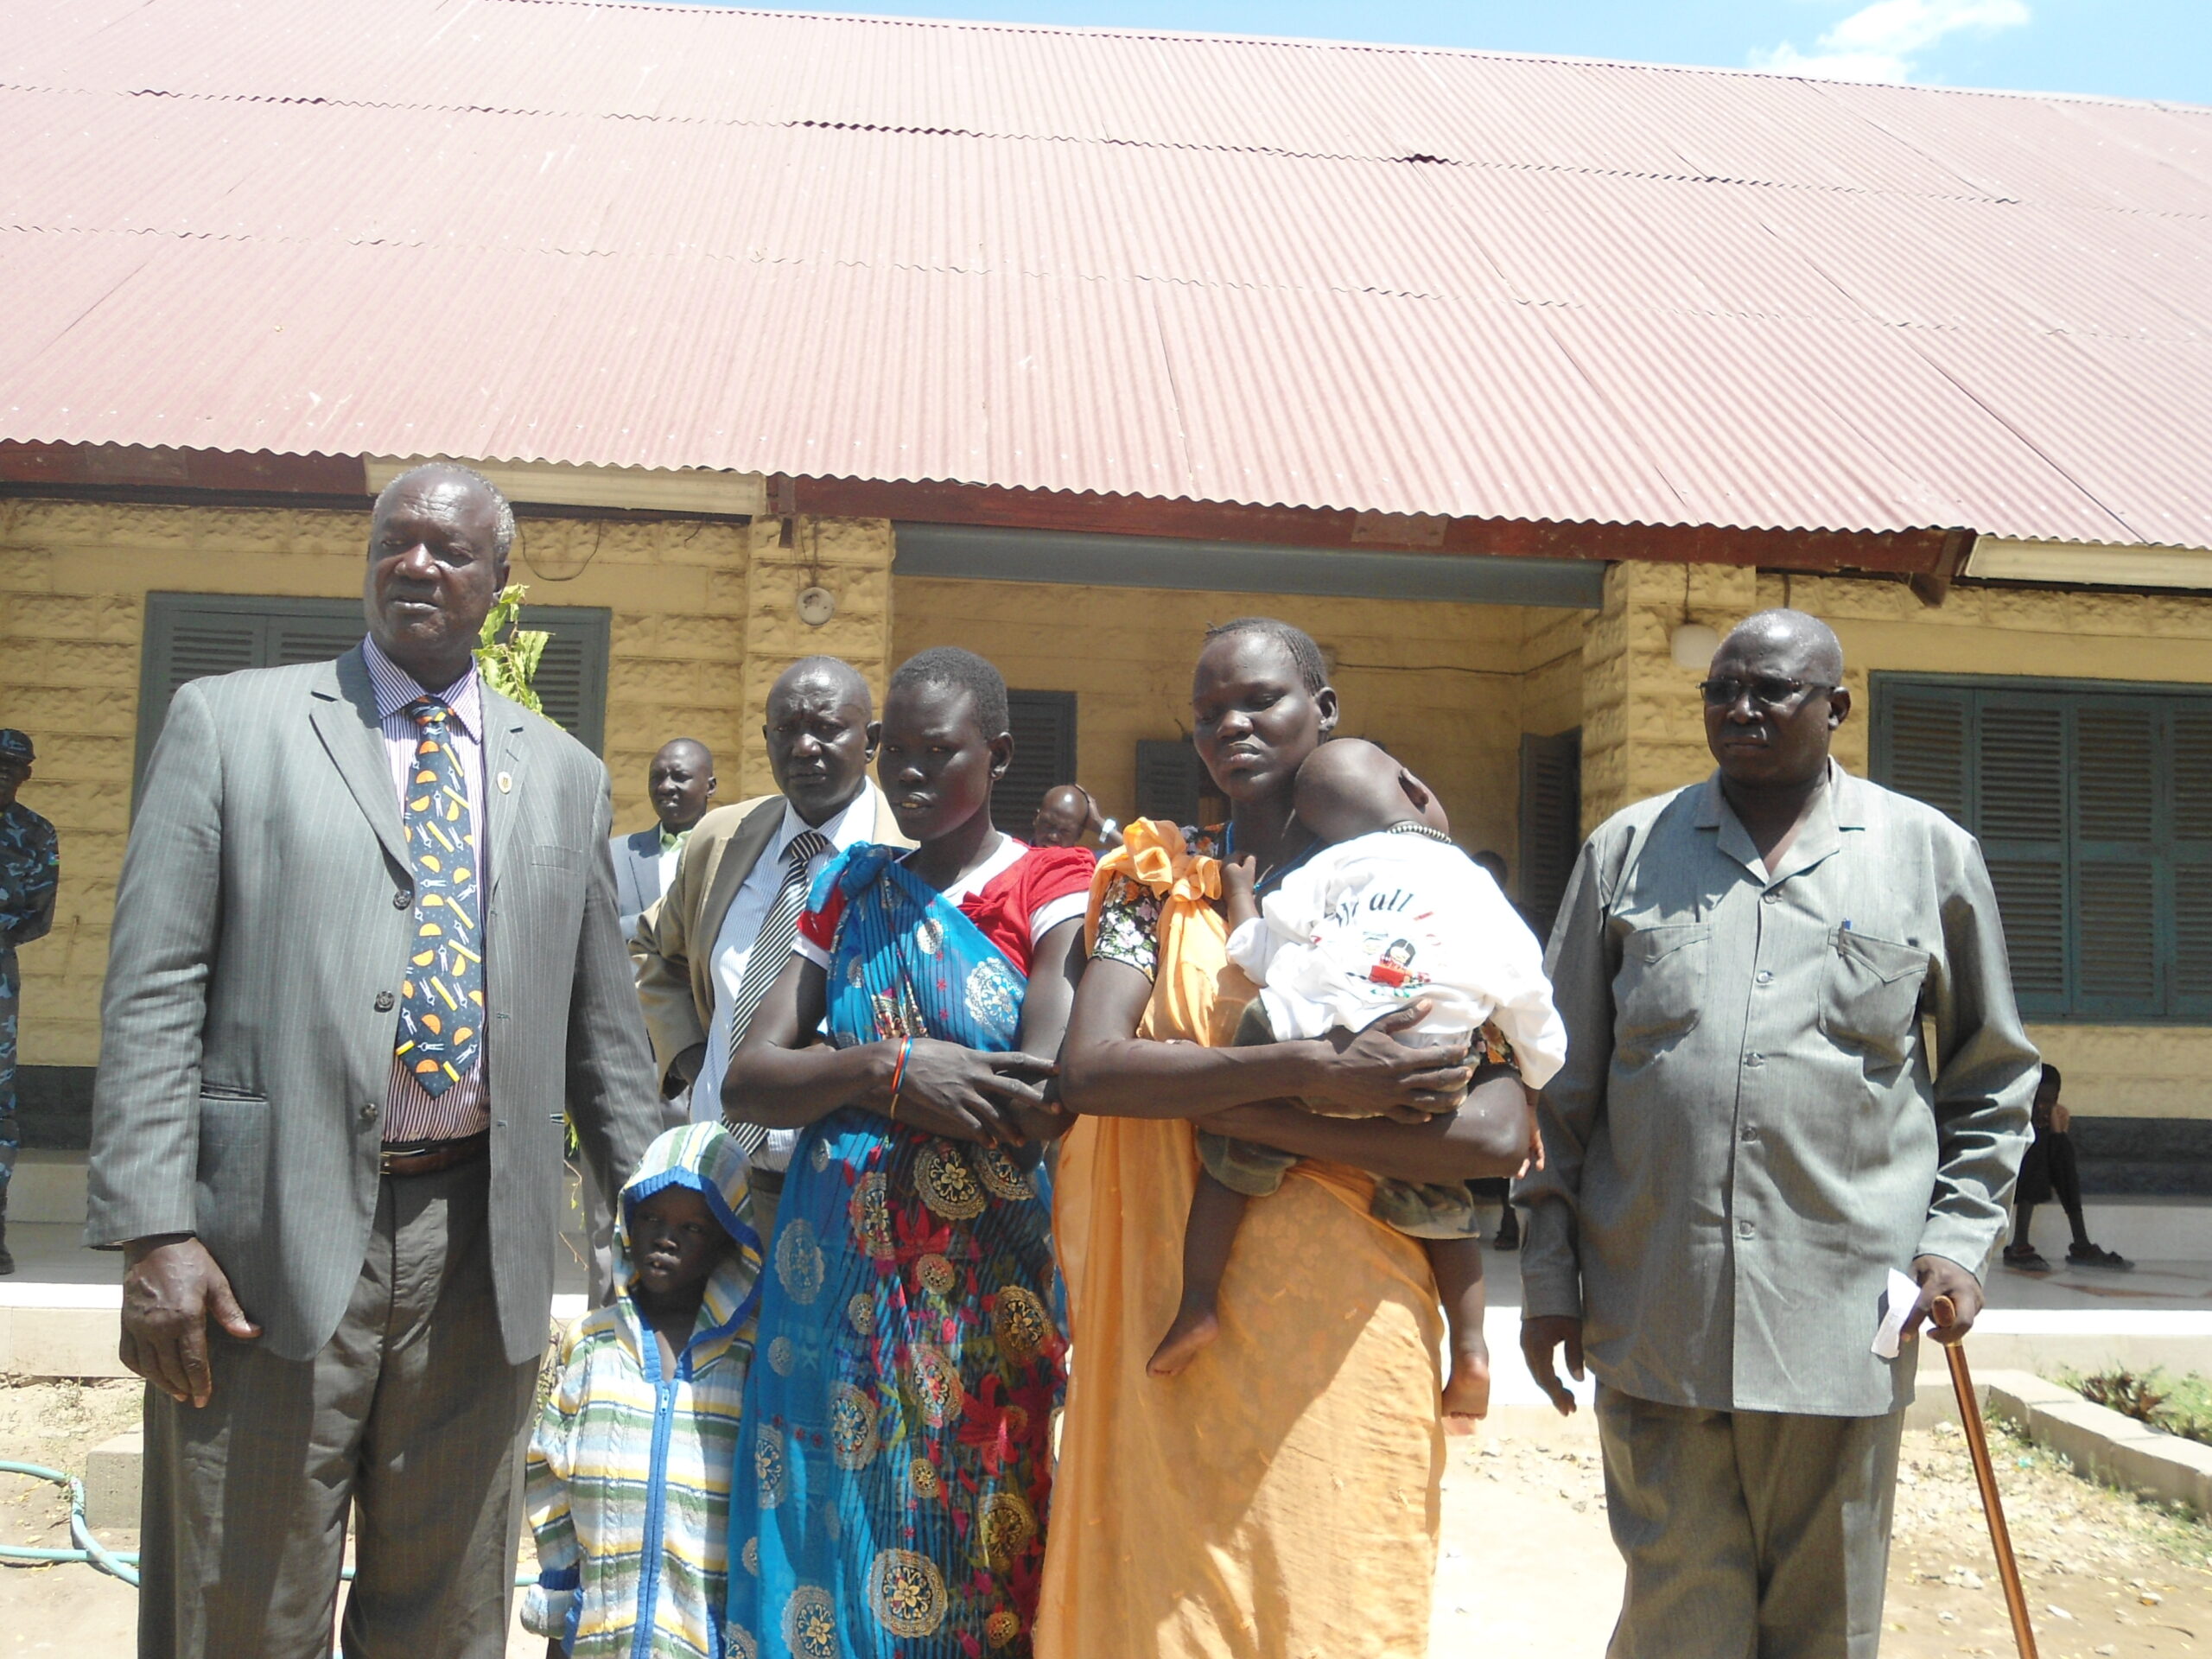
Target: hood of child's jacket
[{"x": 706, "y": 1158}]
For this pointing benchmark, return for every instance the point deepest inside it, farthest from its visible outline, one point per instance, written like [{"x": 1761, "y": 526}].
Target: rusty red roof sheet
[{"x": 1274, "y": 272}]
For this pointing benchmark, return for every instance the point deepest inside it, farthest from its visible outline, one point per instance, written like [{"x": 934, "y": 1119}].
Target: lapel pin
[{"x": 506, "y": 782}]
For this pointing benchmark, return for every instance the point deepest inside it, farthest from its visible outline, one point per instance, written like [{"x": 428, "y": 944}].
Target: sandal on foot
[
  {"x": 2088, "y": 1256},
  {"x": 2026, "y": 1258}
]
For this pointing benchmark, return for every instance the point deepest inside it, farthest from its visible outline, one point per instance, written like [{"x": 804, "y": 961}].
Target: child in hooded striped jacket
[{"x": 628, "y": 1474}]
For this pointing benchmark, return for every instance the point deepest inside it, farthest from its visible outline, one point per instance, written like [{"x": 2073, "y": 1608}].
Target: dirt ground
[
  {"x": 1527, "y": 1559},
  {"x": 1527, "y": 1564}
]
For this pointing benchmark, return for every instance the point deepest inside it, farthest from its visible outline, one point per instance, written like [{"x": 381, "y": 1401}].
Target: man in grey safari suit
[
  {"x": 1753, "y": 1135},
  {"x": 364, "y": 955}
]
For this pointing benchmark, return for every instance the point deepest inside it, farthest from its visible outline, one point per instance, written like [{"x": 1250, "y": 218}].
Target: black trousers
[{"x": 2049, "y": 1171}]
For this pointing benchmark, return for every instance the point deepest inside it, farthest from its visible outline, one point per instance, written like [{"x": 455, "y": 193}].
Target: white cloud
[{"x": 1880, "y": 41}]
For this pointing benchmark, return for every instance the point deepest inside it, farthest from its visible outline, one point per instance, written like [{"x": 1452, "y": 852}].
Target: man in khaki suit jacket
[{"x": 692, "y": 950}]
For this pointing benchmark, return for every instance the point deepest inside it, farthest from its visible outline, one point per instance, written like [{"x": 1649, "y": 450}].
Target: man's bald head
[
  {"x": 1809, "y": 642},
  {"x": 682, "y": 782},
  {"x": 1773, "y": 704},
  {"x": 833, "y": 674},
  {"x": 1063, "y": 817},
  {"x": 685, "y": 748},
  {"x": 821, "y": 732}
]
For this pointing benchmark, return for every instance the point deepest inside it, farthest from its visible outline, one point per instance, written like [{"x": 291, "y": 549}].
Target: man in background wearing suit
[
  {"x": 364, "y": 952},
  {"x": 719, "y": 939},
  {"x": 682, "y": 783}
]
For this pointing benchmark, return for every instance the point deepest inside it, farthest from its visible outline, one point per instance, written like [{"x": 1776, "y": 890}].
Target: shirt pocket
[
  {"x": 1661, "y": 986},
  {"x": 1869, "y": 998}
]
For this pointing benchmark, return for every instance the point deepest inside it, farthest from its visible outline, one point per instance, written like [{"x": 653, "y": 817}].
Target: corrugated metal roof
[{"x": 1274, "y": 272}]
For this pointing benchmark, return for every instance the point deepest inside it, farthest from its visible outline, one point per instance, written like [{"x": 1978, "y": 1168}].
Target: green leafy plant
[{"x": 507, "y": 654}]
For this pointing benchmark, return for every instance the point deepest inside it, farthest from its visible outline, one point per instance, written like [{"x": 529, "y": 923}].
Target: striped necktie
[
  {"x": 771, "y": 948},
  {"x": 442, "y": 999}
]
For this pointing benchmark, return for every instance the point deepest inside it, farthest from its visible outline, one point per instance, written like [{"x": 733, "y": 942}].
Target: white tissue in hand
[{"x": 1904, "y": 1296}]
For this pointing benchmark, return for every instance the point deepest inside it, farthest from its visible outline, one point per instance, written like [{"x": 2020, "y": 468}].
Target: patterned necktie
[
  {"x": 771, "y": 948},
  {"x": 441, "y": 1000}
]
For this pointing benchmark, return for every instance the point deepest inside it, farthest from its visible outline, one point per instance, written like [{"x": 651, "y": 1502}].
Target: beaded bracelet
[{"x": 897, "y": 1071}]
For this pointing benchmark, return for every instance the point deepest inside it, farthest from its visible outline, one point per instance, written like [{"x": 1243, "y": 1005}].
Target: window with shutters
[
  {"x": 2094, "y": 807},
  {"x": 190, "y": 636},
  {"x": 1170, "y": 781},
  {"x": 1551, "y": 822},
  {"x": 1043, "y": 725}
]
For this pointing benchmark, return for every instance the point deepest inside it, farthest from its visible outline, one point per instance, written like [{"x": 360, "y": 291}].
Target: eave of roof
[{"x": 1307, "y": 277}]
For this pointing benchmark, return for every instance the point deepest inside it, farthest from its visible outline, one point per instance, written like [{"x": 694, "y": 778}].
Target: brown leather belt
[{"x": 429, "y": 1159}]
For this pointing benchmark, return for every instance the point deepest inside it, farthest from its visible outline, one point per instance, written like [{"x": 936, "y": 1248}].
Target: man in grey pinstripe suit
[{"x": 348, "y": 1164}]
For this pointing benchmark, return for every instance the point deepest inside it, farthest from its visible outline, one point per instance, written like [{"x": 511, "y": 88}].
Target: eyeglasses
[{"x": 1768, "y": 691}]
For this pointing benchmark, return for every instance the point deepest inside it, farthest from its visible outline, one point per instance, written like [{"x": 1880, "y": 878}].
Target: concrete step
[
  {"x": 114, "y": 1473},
  {"x": 47, "y": 1188},
  {"x": 2103, "y": 1444}
]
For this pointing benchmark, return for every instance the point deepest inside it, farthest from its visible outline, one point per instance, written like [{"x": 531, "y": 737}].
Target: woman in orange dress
[{"x": 1278, "y": 1498}]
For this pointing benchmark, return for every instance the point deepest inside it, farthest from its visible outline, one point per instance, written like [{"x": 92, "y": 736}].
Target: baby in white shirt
[{"x": 1387, "y": 914}]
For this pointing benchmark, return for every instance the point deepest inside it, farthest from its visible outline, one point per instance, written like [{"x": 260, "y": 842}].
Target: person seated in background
[
  {"x": 2049, "y": 1170},
  {"x": 682, "y": 784},
  {"x": 1066, "y": 815},
  {"x": 1388, "y": 915},
  {"x": 639, "y": 1435}
]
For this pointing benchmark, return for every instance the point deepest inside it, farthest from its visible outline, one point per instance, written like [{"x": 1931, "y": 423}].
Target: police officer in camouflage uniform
[{"x": 30, "y": 872}]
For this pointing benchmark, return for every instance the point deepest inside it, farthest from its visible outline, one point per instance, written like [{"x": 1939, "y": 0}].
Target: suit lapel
[
  {"x": 739, "y": 854},
  {"x": 344, "y": 716},
  {"x": 886, "y": 822},
  {"x": 504, "y": 782}
]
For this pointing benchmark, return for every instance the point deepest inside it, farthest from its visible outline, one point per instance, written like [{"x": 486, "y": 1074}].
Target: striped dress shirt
[{"x": 410, "y": 1115}]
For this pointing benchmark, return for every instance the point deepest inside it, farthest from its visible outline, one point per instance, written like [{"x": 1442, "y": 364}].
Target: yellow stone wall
[
  {"x": 1449, "y": 688},
  {"x": 1642, "y": 728},
  {"x": 1643, "y": 731},
  {"x": 702, "y": 617}
]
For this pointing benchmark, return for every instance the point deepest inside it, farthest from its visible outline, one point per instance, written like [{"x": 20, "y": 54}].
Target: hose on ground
[{"x": 116, "y": 1564}]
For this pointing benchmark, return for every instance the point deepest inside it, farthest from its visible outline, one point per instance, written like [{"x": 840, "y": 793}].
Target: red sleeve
[
  {"x": 818, "y": 928},
  {"x": 1051, "y": 873},
  {"x": 1009, "y": 904}
]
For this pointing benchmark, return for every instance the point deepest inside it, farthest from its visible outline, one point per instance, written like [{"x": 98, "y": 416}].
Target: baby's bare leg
[
  {"x": 1457, "y": 1264},
  {"x": 1216, "y": 1211}
]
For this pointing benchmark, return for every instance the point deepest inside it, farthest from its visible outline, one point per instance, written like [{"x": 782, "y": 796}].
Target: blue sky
[{"x": 2126, "y": 49}]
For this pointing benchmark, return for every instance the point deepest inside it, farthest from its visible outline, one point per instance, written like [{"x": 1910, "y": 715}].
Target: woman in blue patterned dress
[{"x": 890, "y": 1496}]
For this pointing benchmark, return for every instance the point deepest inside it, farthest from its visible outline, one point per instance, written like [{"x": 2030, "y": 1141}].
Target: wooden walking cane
[{"x": 1944, "y": 1313}]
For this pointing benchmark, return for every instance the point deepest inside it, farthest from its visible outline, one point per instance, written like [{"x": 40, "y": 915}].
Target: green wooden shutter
[
  {"x": 189, "y": 637},
  {"x": 2189, "y": 773},
  {"x": 571, "y": 679},
  {"x": 2114, "y": 755},
  {"x": 1551, "y": 822},
  {"x": 314, "y": 630},
  {"x": 1168, "y": 780},
  {"x": 1922, "y": 748},
  {"x": 1043, "y": 725},
  {"x": 2016, "y": 773},
  {"x": 2094, "y": 806}
]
